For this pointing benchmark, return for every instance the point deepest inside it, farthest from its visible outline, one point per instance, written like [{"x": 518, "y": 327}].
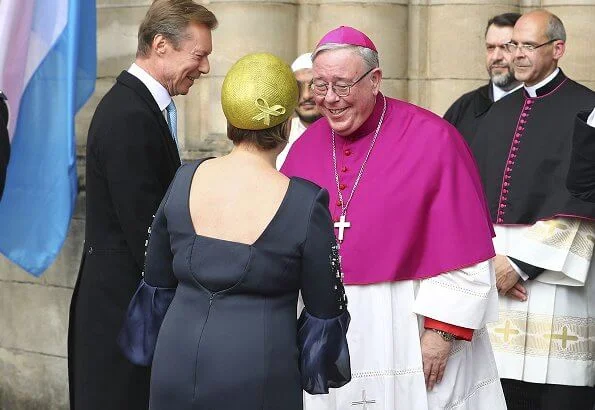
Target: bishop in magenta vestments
[{"x": 416, "y": 240}]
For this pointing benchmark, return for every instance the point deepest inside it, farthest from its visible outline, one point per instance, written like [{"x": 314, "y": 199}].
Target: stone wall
[
  {"x": 33, "y": 327},
  {"x": 431, "y": 51}
]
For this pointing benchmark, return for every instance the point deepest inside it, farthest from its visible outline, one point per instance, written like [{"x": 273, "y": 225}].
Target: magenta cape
[{"x": 419, "y": 209}]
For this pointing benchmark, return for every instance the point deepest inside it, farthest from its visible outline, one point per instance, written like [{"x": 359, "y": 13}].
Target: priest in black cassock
[
  {"x": 544, "y": 339},
  {"x": 581, "y": 176},
  {"x": 466, "y": 112}
]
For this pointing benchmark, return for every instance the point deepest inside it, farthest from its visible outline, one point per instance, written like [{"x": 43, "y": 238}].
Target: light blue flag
[{"x": 47, "y": 70}]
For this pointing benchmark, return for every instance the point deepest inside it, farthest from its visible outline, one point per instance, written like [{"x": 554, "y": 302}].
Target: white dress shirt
[
  {"x": 591, "y": 119},
  {"x": 158, "y": 91},
  {"x": 499, "y": 93}
]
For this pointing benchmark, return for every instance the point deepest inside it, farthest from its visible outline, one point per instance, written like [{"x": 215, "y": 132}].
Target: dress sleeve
[
  {"x": 155, "y": 292},
  {"x": 323, "y": 324}
]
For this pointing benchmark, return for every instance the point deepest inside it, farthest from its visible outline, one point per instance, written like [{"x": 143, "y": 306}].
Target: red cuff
[{"x": 459, "y": 332}]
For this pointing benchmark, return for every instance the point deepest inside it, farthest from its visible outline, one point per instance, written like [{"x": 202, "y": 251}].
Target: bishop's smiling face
[{"x": 343, "y": 67}]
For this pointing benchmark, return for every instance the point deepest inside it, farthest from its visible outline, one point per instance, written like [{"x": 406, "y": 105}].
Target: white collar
[
  {"x": 591, "y": 119},
  {"x": 498, "y": 92},
  {"x": 532, "y": 91},
  {"x": 158, "y": 91}
]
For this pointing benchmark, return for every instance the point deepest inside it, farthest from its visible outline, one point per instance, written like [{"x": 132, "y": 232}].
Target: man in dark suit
[
  {"x": 132, "y": 156},
  {"x": 466, "y": 112},
  {"x": 4, "y": 141}
]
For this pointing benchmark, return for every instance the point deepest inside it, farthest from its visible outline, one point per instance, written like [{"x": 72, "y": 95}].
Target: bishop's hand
[{"x": 434, "y": 355}]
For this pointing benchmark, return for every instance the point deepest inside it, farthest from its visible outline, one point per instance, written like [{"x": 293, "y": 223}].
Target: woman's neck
[{"x": 250, "y": 154}]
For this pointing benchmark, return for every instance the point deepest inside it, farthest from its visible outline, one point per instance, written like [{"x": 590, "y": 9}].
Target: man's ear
[
  {"x": 376, "y": 78},
  {"x": 159, "y": 44},
  {"x": 559, "y": 49}
]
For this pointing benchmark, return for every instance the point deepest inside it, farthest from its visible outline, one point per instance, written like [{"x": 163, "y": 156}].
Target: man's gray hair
[
  {"x": 370, "y": 57},
  {"x": 171, "y": 18},
  {"x": 555, "y": 29}
]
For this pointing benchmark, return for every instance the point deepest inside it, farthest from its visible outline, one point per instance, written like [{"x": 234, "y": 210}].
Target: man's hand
[
  {"x": 434, "y": 355},
  {"x": 508, "y": 280}
]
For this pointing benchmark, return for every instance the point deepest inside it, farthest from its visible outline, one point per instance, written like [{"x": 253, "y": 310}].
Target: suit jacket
[
  {"x": 4, "y": 142},
  {"x": 131, "y": 160},
  {"x": 466, "y": 112}
]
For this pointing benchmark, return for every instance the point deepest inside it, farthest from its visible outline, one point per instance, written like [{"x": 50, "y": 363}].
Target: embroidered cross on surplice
[{"x": 363, "y": 402}]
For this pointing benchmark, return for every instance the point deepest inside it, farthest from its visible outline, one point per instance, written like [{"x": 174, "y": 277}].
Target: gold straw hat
[{"x": 259, "y": 92}]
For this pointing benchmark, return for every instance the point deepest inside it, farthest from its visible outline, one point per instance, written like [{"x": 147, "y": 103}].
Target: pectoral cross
[
  {"x": 363, "y": 402},
  {"x": 341, "y": 225}
]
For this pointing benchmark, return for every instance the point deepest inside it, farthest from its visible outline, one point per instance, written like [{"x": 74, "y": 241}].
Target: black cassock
[
  {"x": 466, "y": 112},
  {"x": 581, "y": 176},
  {"x": 523, "y": 153},
  {"x": 523, "y": 148}
]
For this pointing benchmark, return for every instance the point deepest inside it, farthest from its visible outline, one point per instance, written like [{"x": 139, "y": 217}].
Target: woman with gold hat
[{"x": 230, "y": 247}]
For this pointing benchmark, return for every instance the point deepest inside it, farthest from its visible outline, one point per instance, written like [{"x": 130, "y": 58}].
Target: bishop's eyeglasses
[
  {"x": 511, "y": 46},
  {"x": 320, "y": 88}
]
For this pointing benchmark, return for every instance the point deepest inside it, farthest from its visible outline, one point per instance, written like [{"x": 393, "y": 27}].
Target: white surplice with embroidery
[
  {"x": 384, "y": 344},
  {"x": 550, "y": 338}
]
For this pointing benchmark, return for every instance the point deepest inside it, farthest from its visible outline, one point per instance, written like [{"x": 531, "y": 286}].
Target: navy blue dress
[{"x": 218, "y": 319}]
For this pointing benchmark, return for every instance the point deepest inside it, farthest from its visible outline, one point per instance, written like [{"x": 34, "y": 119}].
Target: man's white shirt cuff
[{"x": 518, "y": 270}]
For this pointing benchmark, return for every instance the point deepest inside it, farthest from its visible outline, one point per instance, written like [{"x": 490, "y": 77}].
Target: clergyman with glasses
[
  {"x": 544, "y": 339},
  {"x": 414, "y": 236},
  {"x": 466, "y": 112}
]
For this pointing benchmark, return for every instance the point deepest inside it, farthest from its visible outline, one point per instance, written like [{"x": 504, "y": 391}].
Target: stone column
[
  {"x": 447, "y": 46},
  {"x": 244, "y": 27},
  {"x": 385, "y": 22},
  {"x": 578, "y": 18},
  {"x": 117, "y": 27}
]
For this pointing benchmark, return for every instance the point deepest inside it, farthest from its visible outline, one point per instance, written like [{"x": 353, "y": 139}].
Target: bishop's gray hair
[
  {"x": 370, "y": 57},
  {"x": 555, "y": 29}
]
